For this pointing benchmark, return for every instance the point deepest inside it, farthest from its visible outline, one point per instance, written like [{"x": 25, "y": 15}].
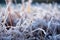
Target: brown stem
[
  {"x": 10, "y": 19},
  {"x": 9, "y": 16}
]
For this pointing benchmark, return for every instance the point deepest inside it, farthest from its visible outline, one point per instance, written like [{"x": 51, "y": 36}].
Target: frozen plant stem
[
  {"x": 22, "y": 5},
  {"x": 40, "y": 30},
  {"x": 29, "y": 6},
  {"x": 8, "y": 3}
]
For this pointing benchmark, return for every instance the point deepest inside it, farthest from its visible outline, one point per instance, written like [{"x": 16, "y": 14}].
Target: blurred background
[{"x": 34, "y": 1}]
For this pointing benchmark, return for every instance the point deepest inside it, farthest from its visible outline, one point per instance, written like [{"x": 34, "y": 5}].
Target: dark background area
[{"x": 34, "y": 1}]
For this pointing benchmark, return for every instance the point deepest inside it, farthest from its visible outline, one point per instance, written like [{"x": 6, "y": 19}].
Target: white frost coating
[
  {"x": 39, "y": 29},
  {"x": 43, "y": 17}
]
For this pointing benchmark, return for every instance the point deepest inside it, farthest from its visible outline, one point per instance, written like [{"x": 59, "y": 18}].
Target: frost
[{"x": 42, "y": 23}]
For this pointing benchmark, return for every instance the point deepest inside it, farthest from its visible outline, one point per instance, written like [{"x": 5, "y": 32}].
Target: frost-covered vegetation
[{"x": 40, "y": 22}]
